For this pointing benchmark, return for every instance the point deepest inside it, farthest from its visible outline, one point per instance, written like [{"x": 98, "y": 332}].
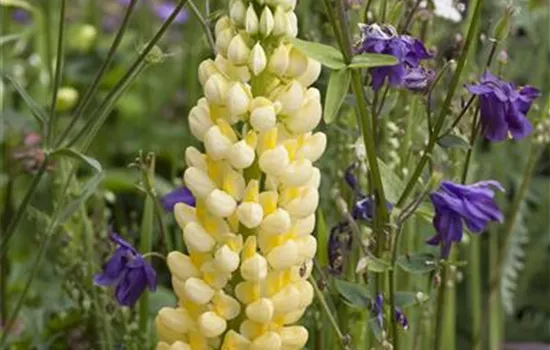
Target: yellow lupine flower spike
[{"x": 248, "y": 238}]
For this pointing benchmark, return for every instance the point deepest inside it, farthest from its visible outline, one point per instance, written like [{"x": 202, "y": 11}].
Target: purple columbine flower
[
  {"x": 165, "y": 8},
  {"x": 179, "y": 195},
  {"x": 418, "y": 79},
  {"x": 503, "y": 107},
  {"x": 409, "y": 52},
  {"x": 474, "y": 204},
  {"x": 378, "y": 310},
  {"x": 21, "y": 16},
  {"x": 128, "y": 271}
]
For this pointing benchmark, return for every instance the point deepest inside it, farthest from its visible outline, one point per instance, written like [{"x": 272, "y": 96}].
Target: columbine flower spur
[
  {"x": 243, "y": 283},
  {"x": 454, "y": 203},
  {"x": 503, "y": 107},
  {"x": 128, "y": 271}
]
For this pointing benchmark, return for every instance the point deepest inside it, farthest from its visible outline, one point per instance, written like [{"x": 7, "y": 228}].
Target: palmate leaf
[{"x": 514, "y": 259}]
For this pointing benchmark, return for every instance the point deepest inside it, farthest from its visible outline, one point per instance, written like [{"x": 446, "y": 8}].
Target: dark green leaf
[
  {"x": 88, "y": 190},
  {"x": 337, "y": 89},
  {"x": 375, "y": 264},
  {"x": 356, "y": 294},
  {"x": 370, "y": 60},
  {"x": 326, "y": 55},
  {"x": 393, "y": 185},
  {"x": 36, "y": 111},
  {"x": 417, "y": 263},
  {"x": 69, "y": 152},
  {"x": 453, "y": 141}
]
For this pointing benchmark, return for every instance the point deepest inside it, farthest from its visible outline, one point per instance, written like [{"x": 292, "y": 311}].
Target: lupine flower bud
[
  {"x": 286, "y": 300},
  {"x": 197, "y": 239},
  {"x": 238, "y": 51},
  {"x": 297, "y": 173},
  {"x": 211, "y": 325},
  {"x": 257, "y": 60},
  {"x": 184, "y": 214},
  {"x": 240, "y": 155},
  {"x": 215, "y": 89},
  {"x": 235, "y": 341},
  {"x": 193, "y": 157},
  {"x": 252, "y": 22},
  {"x": 313, "y": 147},
  {"x": 199, "y": 121},
  {"x": 304, "y": 205},
  {"x": 237, "y": 12},
  {"x": 269, "y": 340},
  {"x": 198, "y": 182},
  {"x": 311, "y": 73},
  {"x": 263, "y": 116},
  {"x": 280, "y": 22},
  {"x": 198, "y": 291},
  {"x": 222, "y": 24},
  {"x": 274, "y": 161},
  {"x": 216, "y": 144},
  {"x": 291, "y": 97},
  {"x": 254, "y": 268},
  {"x": 276, "y": 223},
  {"x": 267, "y": 22},
  {"x": 206, "y": 69},
  {"x": 297, "y": 63},
  {"x": 220, "y": 204},
  {"x": 283, "y": 256},
  {"x": 292, "y": 24},
  {"x": 223, "y": 39},
  {"x": 260, "y": 311},
  {"x": 294, "y": 337},
  {"x": 308, "y": 116},
  {"x": 238, "y": 100},
  {"x": 250, "y": 214},
  {"x": 180, "y": 266},
  {"x": 279, "y": 60}
]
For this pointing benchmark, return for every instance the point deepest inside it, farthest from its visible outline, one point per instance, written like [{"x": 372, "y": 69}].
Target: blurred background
[{"x": 151, "y": 116}]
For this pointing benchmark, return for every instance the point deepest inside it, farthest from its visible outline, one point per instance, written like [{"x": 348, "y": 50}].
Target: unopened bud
[
  {"x": 500, "y": 32},
  {"x": 252, "y": 22},
  {"x": 66, "y": 99},
  {"x": 267, "y": 22},
  {"x": 257, "y": 60},
  {"x": 237, "y": 12},
  {"x": 238, "y": 51}
]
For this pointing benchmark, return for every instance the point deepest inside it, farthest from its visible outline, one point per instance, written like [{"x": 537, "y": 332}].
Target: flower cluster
[
  {"x": 243, "y": 282},
  {"x": 409, "y": 52},
  {"x": 474, "y": 204},
  {"x": 503, "y": 107}
]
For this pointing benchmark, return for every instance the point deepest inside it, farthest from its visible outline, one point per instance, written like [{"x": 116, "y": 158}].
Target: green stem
[
  {"x": 90, "y": 92},
  {"x": 440, "y": 311},
  {"x": 391, "y": 272},
  {"x": 58, "y": 72},
  {"x": 205, "y": 26},
  {"x": 346, "y": 46},
  {"x": 100, "y": 115},
  {"x": 23, "y": 207},
  {"x": 494, "y": 339},
  {"x": 470, "y": 38},
  {"x": 474, "y": 263},
  {"x": 328, "y": 313}
]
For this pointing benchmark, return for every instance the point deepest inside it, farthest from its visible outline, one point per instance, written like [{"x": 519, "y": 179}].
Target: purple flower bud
[
  {"x": 418, "y": 79},
  {"x": 339, "y": 246},
  {"x": 472, "y": 204},
  {"x": 128, "y": 272},
  {"x": 179, "y": 195},
  {"x": 503, "y": 107}
]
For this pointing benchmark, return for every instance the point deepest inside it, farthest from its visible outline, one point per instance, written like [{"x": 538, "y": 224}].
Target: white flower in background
[{"x": 447, "y": 9}]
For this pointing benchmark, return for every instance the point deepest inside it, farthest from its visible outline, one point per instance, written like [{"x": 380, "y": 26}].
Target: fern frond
[{"x": 514, "y": 260}]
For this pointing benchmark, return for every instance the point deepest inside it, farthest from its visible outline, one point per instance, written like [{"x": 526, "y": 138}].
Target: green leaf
[
  {"x": 71, "y": 153},
  {"x": 337, "y": 89},
  {"x": 36, "y": 111},
  {"x": 370, "y": 60},
  {"x": 405, "y": 299},
  {"x": 4, "y": 39},
  {"x": 87, "y": 191},
  {"x": 326, "y": 55},
  {"x": 376, "y": 329},
  {"x": 375, "y": 264},
  {"x": 322, "y": 238},
  {"x": 417, "y": 263},
  {"x": 393, "y": 185},
  {"x": 356, "y": 294},
  {"x": 453, "y": 141}
]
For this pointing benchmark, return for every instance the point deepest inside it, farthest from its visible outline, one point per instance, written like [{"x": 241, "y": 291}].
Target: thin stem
[
  {"x": 124, "y": 82},
  {"x": 346, "y": 46},
  {"x": 405, "y": 27},
  {"x": 470, "y": 38},
  {"x": 384, "y": 10},
  {"x": 440, "y": 312},
  {"x": 391, "y": 273},
  {"x": 328, "y": 312},
  {"x": 58, "y": 71},
  {"x": 205, "y": 26},
  {"x": 23, "y": 207},
  {"x": 90, "y": 92},
  {"x": 475, "y": 128},
  {"x": 155, "y": 254}
]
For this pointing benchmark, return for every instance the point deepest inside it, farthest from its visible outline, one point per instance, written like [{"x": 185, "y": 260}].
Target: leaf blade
[
  {"x": 372, "y": 60},
  {"x": 326, "y": 55},
  {"x": 338, "y": 85},
  {"x": 74, "y": 154}
]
